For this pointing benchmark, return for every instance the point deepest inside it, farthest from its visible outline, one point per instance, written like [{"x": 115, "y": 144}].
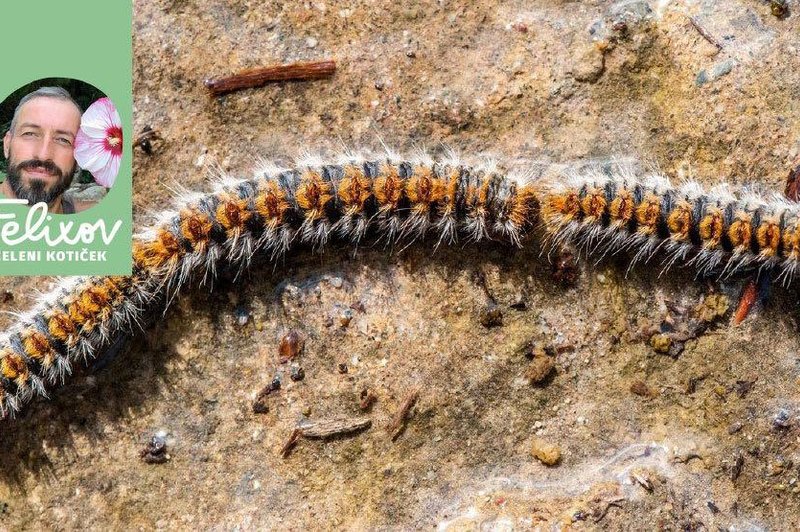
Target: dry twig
[
  {"x": 255, "y": 77},
  {"x": 399, "y": 419},
  {"x": 322, "y": 430}
]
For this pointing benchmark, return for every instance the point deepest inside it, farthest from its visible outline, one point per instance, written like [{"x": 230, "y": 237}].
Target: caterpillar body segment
[
  {"x": 717, "y": 231},
  {"x": 71, "y": 325}
]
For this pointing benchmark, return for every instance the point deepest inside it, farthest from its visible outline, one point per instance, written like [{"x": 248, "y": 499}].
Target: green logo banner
[{"x": 66, "y": 123}]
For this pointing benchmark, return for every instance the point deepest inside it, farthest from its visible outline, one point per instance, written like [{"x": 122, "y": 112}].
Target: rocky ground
[{"x": 537, "y": 404}]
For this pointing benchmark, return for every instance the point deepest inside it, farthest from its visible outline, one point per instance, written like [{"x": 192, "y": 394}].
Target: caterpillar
[{"x": 599, "y": 208}]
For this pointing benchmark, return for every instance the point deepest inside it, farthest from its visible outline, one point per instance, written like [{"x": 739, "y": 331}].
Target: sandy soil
[{"x": 705, "y": 439}]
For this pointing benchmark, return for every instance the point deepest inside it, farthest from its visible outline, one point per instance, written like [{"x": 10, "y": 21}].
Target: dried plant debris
[
  {"x": 683, "y": 323},
  {"x": 260, "y": 405},
  {"x": 366, "y": 399},
  {"x": 324, "y": 429},
  {"x": 256, "y": 77},
  {"x": 397, "y": 426}
]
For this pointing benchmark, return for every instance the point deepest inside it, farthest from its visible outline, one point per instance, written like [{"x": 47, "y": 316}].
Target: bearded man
[{"x": 39, "y": 148}]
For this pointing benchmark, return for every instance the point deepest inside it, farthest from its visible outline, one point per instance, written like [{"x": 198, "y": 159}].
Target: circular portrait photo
[{"x": 62, "y": 145}]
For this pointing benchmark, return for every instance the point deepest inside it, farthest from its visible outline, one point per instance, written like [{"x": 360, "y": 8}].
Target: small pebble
[
  {"x": 155, "y": 452},
  {"x": 342, "y": 367},
  {"x": 491, "y": 316},
  {"x": 782, "y": 419},
  {"x": 633, "y": 10},
  {"x": 297, "y": 373},
  {"x": 779, "y": 8},
  {"x": 712, "y": 308},
  {"x": 641, "y": 389},
  {"x": 722, "y": 68},
  {"x": 539, "y": 369},
  {"x": 520, "y": 27},
  {"x": 311, "y": 42},
  {"x": 665, "y": 344},
  {"x": 717, "y": 71},
  {"x": 661, "y": 343},
  {"x": 701, "y": 78},
  {"x": 336, "y": 282},
  {"x": 242, "y": 316},
  {"x": 547, "y": 453},
  {"x": 290, "y": 347},
  {"x": 345, "y": 317},
  {"x": 735, "y": 427},
  {"x": 519, "y": 302}
]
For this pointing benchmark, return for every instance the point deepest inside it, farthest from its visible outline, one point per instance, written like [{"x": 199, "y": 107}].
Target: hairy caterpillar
[
  {"x": 616, "y": 208},
  {"x": 604, "y": 208}
]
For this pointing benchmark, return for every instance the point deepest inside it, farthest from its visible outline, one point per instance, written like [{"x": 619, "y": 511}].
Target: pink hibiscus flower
[{"x": 98, "y": 146}]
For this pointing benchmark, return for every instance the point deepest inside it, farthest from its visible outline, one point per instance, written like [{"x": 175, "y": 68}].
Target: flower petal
[
  {"x": 93, "y": 132},
  {"x": 108, "y": 173},
  {"x": 92, "y": 151},
  {"x": 101, "y": 115},
  {"x": 91, "y": 154}
]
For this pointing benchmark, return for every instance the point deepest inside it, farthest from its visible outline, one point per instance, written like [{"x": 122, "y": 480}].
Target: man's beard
[{"x": 36, "y": 191}]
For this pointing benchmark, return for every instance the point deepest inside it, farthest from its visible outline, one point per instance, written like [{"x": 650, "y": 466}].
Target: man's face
[{"x": 40, "y": 149}]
